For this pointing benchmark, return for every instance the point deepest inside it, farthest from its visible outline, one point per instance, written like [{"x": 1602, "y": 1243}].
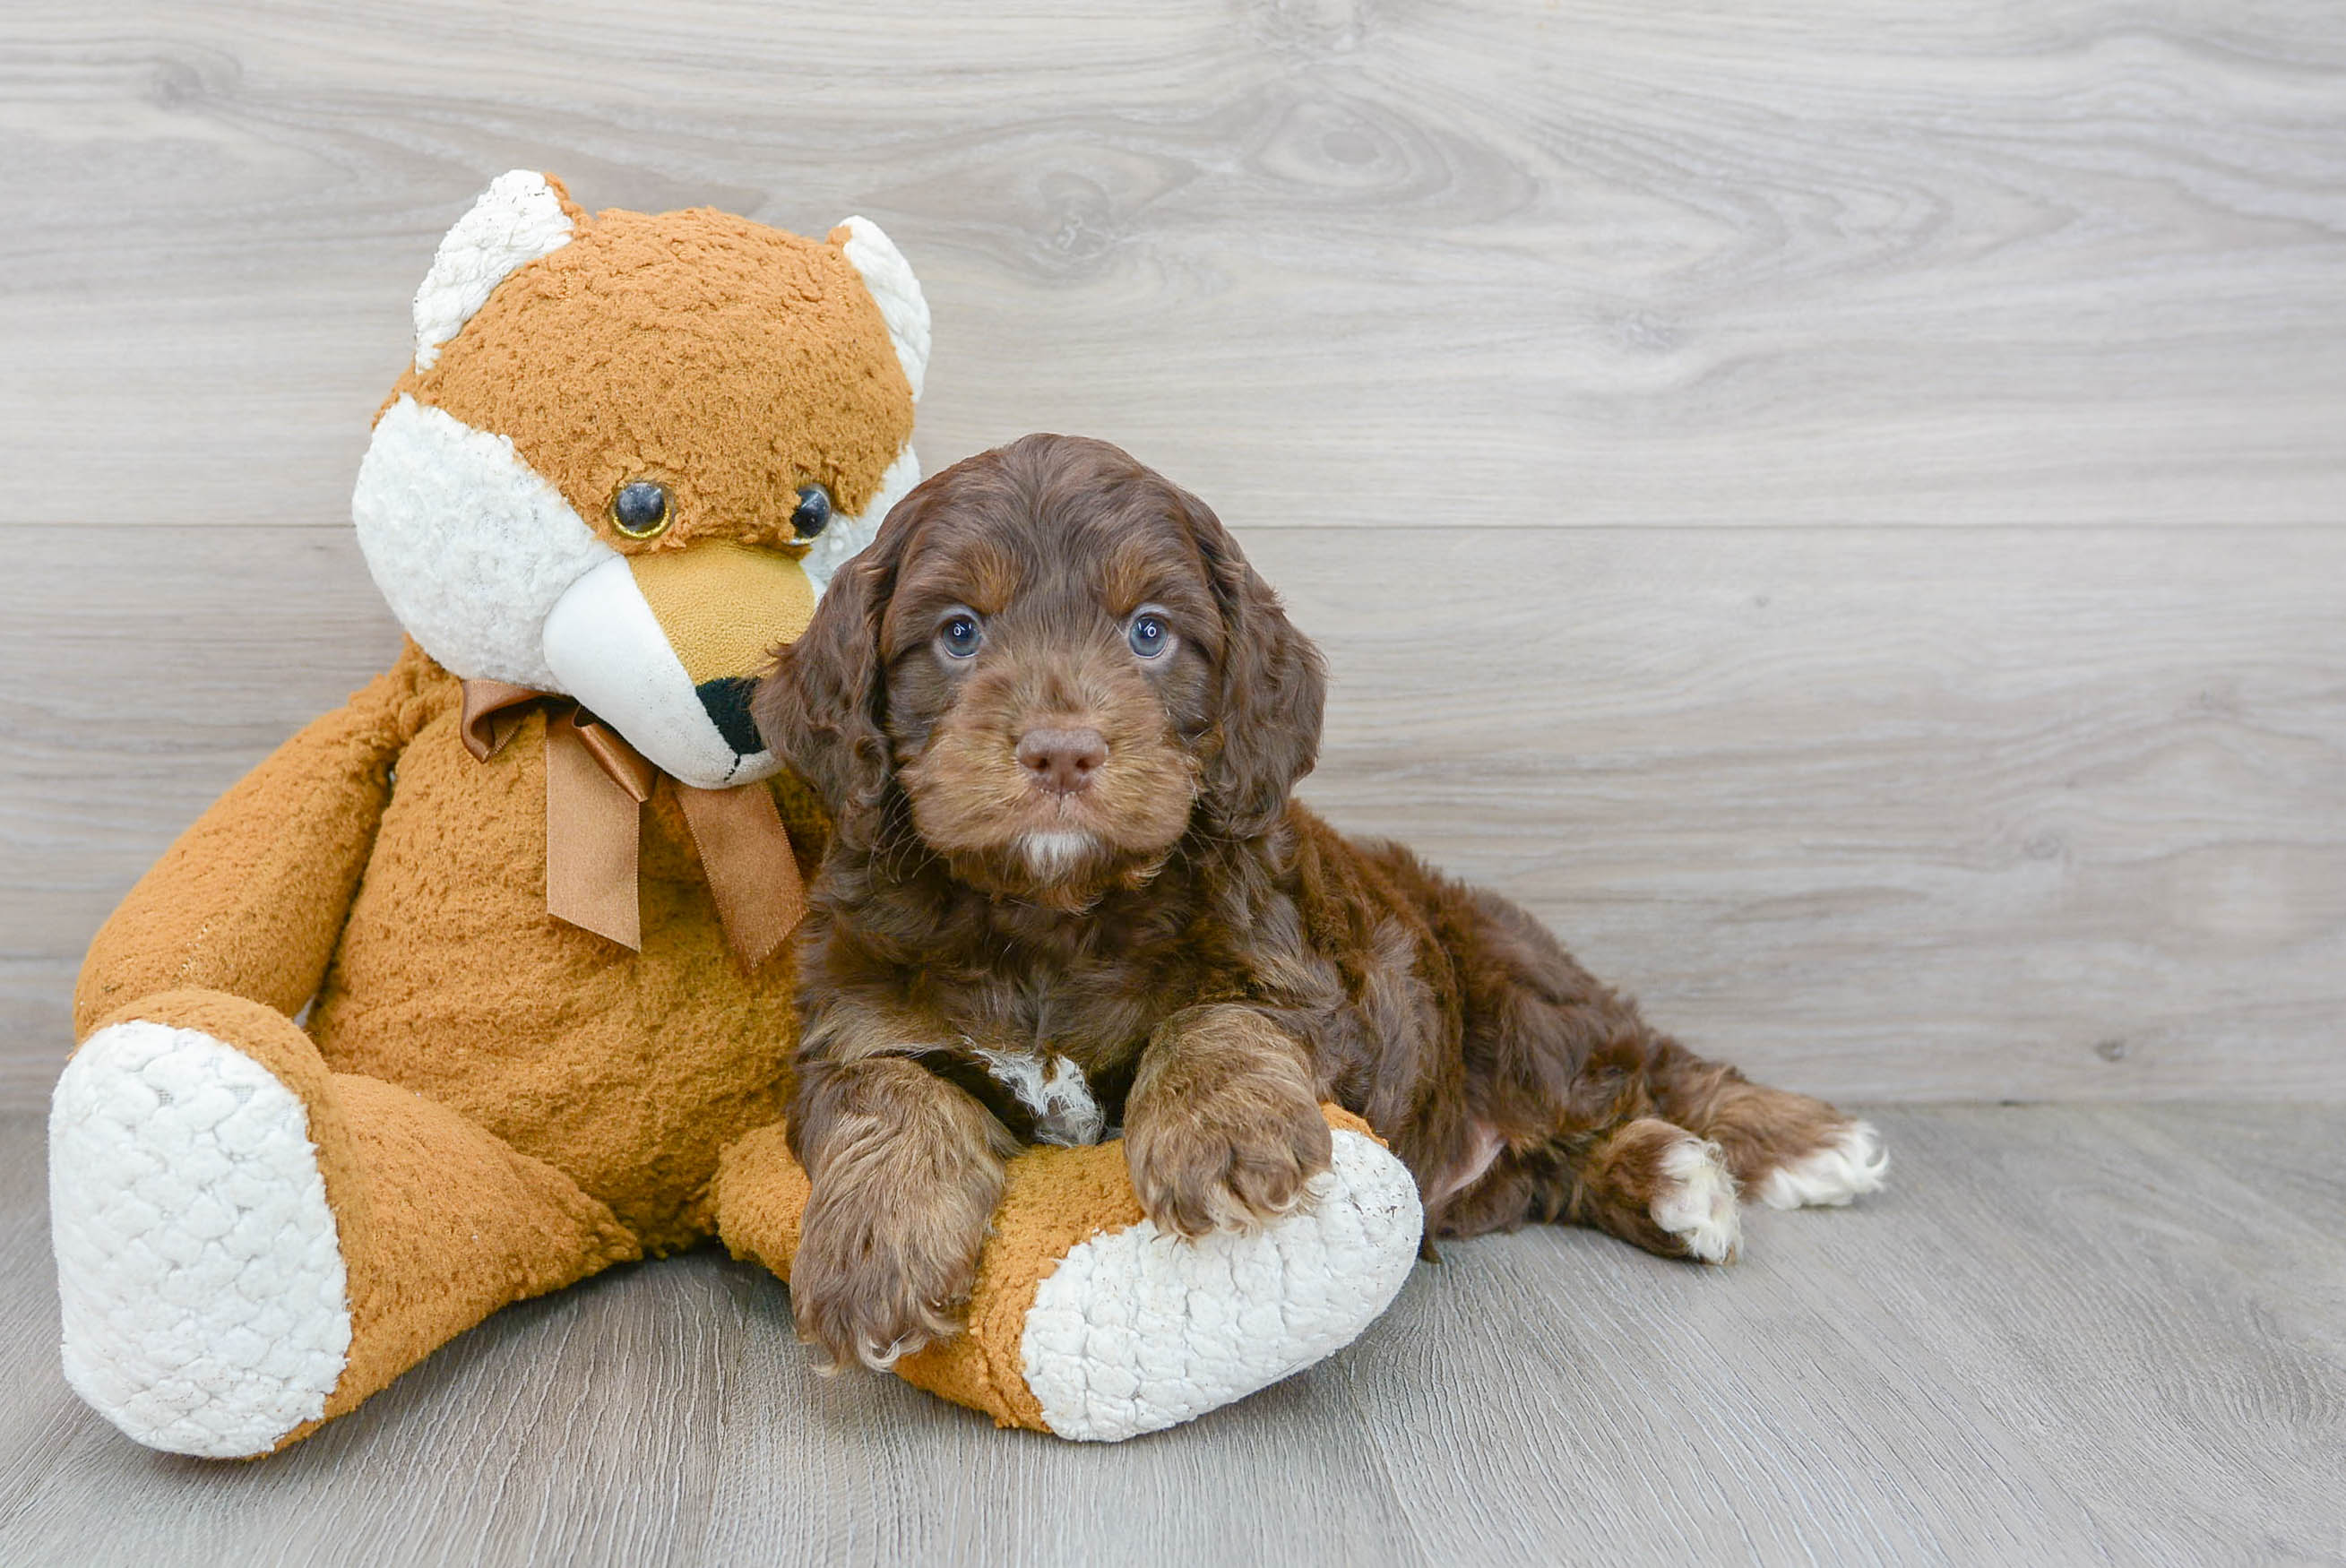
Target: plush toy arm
[
  {"x": 1088, "y": 1323},
  {"x": 252, "y": 899}
]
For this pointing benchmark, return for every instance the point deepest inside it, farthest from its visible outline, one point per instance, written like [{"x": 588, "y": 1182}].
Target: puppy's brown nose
[{"x": 1062, "y": 760}]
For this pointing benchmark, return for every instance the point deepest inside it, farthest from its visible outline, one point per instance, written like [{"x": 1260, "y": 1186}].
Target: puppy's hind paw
[
  {"x": 1694, "y": 1201},
  {"x": 1850, "y": 1164}
]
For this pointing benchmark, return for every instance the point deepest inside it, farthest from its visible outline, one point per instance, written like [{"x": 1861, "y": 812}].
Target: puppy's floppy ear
[
  {"x": 819, "y": 706},
  {"x": 1273, "y": 690}
]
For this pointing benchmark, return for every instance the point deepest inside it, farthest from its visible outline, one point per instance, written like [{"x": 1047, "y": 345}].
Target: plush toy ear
[
  {"x": 522, "y": 215},
  {"x": 894, "y": 288}
]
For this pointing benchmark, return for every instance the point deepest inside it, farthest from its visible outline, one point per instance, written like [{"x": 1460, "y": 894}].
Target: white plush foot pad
[
  {"x": 1852, "y": 1165},
  {"x": 1140, "y": 1329},
  {"x": 1695, "y": 1200},
  {"x": 198, "y": 1265}
]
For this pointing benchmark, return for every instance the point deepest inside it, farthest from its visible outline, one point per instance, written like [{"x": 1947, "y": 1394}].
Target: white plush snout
[{"x": 607, "y": 650}]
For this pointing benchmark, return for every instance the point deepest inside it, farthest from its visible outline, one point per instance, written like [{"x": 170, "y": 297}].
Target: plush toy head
[{"x": 631, "y": 451}]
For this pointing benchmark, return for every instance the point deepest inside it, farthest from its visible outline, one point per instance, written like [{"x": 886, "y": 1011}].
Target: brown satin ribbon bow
[{"x": 596, "y": 787}]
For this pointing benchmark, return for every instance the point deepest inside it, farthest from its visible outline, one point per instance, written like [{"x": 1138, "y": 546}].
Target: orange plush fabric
[{"x": 500, "y": 1102}]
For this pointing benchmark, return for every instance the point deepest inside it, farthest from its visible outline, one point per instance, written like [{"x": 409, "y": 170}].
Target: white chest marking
[{"x": 1054, "y": 1088}]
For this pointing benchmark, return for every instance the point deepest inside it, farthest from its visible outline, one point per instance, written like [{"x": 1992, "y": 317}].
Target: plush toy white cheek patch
[{"x": 469, "y": 545}]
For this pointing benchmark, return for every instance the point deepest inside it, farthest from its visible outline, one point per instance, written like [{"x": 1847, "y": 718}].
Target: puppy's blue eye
[
  {"x": 961, "y": 636},
  {"x": 1147, "y": 636}
]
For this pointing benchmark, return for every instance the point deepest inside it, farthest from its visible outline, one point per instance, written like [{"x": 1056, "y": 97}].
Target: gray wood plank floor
[{"x": 2109, "y": 1334}]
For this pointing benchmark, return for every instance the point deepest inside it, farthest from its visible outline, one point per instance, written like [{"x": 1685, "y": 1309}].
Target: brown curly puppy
[{"x": 1056, "y": 717}]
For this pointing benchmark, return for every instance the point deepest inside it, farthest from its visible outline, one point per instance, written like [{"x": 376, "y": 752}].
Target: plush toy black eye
[
  {"x": 640, "y": 510},
  {"x": 813, "y": 515},
  {"x": 1149, "y": 635},
  {"x": 961, "y": 634}
]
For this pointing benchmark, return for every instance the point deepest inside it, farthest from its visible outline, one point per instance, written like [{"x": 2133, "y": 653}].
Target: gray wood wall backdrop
[{"x": 1841, "y": 505}]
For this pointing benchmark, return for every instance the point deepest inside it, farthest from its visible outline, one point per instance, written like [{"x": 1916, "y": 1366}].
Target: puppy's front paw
[
  {"x": 873, "y": 1284},
  {"x": 1232, "y": 1159}
]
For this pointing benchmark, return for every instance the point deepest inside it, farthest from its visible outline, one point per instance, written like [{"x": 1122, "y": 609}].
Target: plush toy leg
[
  {"x": 1087, "y": 1323},
  {"x": 249, "y": 1245}
]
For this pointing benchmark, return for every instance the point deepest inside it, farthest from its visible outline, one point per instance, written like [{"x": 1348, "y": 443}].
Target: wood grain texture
[
  {"x": 1907, "y": 813},
  {"x": 1580, "y": 373},
  {"x": 2112, "y": 1334},
  {"x": 1838, "y": 505},
  {"x": 1840, "y": 262}
]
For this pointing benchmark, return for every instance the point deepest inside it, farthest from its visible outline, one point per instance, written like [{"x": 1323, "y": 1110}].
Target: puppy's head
[{"x": 1059, "y": 661}]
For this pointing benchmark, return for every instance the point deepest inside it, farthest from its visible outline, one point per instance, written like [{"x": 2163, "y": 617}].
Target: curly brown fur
[{"x": 1212, "y": 956}]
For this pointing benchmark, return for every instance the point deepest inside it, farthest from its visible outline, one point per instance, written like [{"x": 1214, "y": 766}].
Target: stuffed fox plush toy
[{"x": 479, "y": 985}]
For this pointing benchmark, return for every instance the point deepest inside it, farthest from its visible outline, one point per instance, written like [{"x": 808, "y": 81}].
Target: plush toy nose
[
  {"x": 726, "y": 701},
  {"x": 1062, "y": 760}
]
